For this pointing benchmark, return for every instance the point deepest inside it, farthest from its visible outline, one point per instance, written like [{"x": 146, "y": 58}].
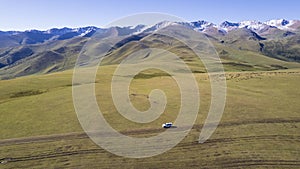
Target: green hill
[{"x": 240, "y": 49}]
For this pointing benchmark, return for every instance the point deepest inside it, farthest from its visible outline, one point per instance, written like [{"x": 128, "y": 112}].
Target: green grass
[
  {"x": 259, "y": 128},
  {"x": 249, "y": 60},
  {"x": 30, "y": 114}
]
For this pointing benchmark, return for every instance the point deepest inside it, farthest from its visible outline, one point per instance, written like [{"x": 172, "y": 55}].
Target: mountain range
[{"x": 245, "y": 45}]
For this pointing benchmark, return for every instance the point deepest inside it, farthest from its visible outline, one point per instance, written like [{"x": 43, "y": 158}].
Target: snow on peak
[
  {"x": 157, "y": 26},
  {"x": 164, "y": 24},
  {"x": 253, "y": 25},
  {"x": 201, "y": 25},
  {"x": 227, "y": 24},
  {"x": 277, "y": 22},
  {"x": 256, "y": 25},
  {"x": 249, "y": 23}
]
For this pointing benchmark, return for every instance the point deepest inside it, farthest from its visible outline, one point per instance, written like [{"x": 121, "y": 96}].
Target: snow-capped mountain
[
  {"x": 200, "y": 25},
  {"x": 25, "y": 50},
  {"x": 160, "y": 25},
  {"x": 13, "y": 38},
  {"x": 226, "y": 26},
  {"x": 281, "y": 24},
  {"x": 61, "y": 31}
]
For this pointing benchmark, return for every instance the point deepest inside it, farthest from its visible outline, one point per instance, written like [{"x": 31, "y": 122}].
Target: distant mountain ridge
[
  {"x": 34, "y": 51},
  {"x": 282, "y": 24},
  {"x": 14, "y": 38}
]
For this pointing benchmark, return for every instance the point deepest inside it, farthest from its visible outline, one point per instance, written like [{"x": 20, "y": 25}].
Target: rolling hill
[{"x": 248, "y": 45}]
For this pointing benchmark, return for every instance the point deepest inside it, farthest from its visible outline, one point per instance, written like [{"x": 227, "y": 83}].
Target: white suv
[{"x": 167, "y": 125}]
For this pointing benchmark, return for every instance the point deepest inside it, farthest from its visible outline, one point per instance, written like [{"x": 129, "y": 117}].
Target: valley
[{"x": 259, "y": 127}]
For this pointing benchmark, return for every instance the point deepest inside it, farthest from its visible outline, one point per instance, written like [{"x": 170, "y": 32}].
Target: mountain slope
[{"x": 248, "y": 45}]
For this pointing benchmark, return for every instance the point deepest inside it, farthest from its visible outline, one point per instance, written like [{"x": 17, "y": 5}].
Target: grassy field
[{"x": 259, "y": 128}]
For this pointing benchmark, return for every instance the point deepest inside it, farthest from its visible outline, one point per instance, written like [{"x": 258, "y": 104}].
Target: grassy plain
[{"x": 259, "y": 127}]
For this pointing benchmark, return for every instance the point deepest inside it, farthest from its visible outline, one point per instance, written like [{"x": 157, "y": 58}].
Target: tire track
[
  {"x": 50, "y": 155},
  {"x": 82, "y": 135},
  {"x": 261, "y": 162},
  {"x": 261, "y": 137},
  {"x": 233, "y": 163}
]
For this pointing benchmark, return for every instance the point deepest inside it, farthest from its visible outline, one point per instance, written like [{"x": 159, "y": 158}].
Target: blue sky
[{"x": 45, "y": 14}]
